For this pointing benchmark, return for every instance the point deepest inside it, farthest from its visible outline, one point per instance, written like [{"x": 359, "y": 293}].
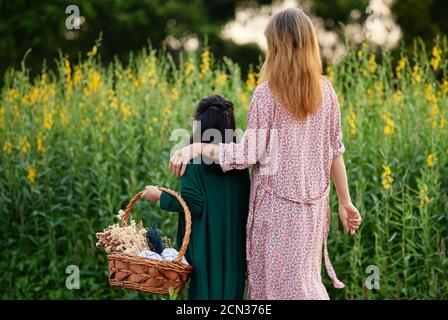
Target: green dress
[{"x": 219, "y": 203}]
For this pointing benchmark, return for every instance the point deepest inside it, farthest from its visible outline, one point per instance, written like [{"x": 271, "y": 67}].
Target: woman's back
[{"x": 304, "y": 150}]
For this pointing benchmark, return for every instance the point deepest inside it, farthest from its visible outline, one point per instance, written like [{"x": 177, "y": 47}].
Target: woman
[{"x": 294, "y": 143}]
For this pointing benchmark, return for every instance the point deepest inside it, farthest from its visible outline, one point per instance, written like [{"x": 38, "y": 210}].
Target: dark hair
[{"x": 215, "y": 112}]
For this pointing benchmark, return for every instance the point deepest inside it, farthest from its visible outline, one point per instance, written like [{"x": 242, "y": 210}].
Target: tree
[
  {"x": 417, "y": 18},
  {"x": 126, "y": 25},
  {"x": 422, "y": 18}
]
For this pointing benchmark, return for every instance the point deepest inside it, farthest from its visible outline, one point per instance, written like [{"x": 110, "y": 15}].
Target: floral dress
[{"x": 289, "y": 213}]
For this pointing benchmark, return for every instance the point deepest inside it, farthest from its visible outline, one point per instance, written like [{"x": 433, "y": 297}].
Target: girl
[
  {"x": 219, "y": 204},
  {"x": 294, "y": 143}
]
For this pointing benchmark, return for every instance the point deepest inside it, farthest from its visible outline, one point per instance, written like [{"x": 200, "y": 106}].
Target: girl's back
[{"x": 219, "y": 204}]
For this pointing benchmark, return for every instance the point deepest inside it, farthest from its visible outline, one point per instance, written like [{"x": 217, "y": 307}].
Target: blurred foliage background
[{"x": 128, "y": 25}]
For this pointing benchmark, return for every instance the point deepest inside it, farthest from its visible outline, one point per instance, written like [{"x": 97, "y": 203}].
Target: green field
[{"x": 77, "y": 143}]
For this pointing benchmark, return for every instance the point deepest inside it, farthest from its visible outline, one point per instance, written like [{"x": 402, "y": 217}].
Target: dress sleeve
[
  {"x": 336, "y": 130},
  {"x": 190, "y": 192},
  {"x": 253, "y": 145}
]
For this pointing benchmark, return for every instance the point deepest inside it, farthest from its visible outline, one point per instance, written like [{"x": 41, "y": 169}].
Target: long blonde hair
[{"x": 293, "y": 66}]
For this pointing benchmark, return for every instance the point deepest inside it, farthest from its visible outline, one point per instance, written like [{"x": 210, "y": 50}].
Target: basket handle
[{"x": 186, "y": 240}]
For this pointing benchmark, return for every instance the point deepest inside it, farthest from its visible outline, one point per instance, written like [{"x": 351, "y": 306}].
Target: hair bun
[{"x": 217, "y": 102}]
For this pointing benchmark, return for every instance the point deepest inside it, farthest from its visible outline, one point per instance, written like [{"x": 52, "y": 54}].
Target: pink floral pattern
[{"x": 289, "y": 214}]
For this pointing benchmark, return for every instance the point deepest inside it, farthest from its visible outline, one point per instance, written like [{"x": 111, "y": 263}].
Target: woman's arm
[
  {"x": 350, "y": 217},
  {"x": 340, "y": 180},
  {"x": 181, "y": 158}
]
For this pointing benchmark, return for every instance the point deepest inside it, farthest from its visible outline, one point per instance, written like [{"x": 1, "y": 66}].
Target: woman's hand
[
  {"x": 151, "y": 193},
  {"x": 350, "y": 217},
  {"x": 180, "y": 159}
]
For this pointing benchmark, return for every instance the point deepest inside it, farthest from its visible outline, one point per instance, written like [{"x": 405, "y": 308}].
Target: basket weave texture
[{"x": 149, "y": 275}]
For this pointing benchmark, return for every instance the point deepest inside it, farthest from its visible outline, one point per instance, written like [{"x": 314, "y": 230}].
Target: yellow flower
[
  {"x": 99, "y": 116},
  {"x": 445, "y": 86},
  {"x": 40, "y": 143},
  {"x": 137, "y": 84},
  {"x": 244, "y": 97},
  {"x": 2, "y": 116},
  {"x": 93, "y": 81},
  {"x": 351, "y": 120},
  {"x": 430, "y": 159},
  {"x": 7, "y": 147},
  {"x": 77, "y": 76},
  {"x": 51, "y": 90},
  {"x": 114, "y": 103},
  {"x": 379, "y": 89},
  {"x": 16, "y": 111},
  {"x": 125, "y": 110},
  {"x": 167, "y": 111},
  {"x": 386, "y": 178},
  {"x": 189, "y": 67},
  {"x": 430, "y": 96},
  {"x": 416, "y": 74},
  {"x": 66, "y": 68},
  {"x": 400, "y": 66},
  {"x": 251, "y": 81},
  {"x": 43, "y": 79},
  {"x": 92, "y": 52},
  {"x": 31, "y": 98},
  {"x": 397, "y": 97},
  {"x": 12, "y": 95},
  {"x": 359, "y": 54},
  {"x": 24, "y": 145},
  {"x": 32, "y": 174},
  {"x": 389, "y": 128},
  {"x": 221, "y": 79},
  {"x": 154, "y": 120},
  {"x": 63, "y": 115},
  {"x": 151, "y": 64},
  {"x": 48, "y": 120},
  {"x": 424, "y": 196},
  {"x": 372, "y": 63},
  {"x": 85, "y": 123},
  {"x": 68, "y": 75},
  {"x": 205, "y": 62},
  {"x": 175, "y": 94},
  {"x": 435, "y": 110},
  {"x": 436, "y": 58}
]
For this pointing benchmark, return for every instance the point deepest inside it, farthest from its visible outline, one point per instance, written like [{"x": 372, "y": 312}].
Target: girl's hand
[
  {"x": 151, "y": 193},
  {"x": 180, "y": 159},
  {"x": 350, "y": 217}
]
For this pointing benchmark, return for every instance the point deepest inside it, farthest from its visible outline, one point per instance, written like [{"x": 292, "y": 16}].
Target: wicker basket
[{"x": 148, "y": 275}]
